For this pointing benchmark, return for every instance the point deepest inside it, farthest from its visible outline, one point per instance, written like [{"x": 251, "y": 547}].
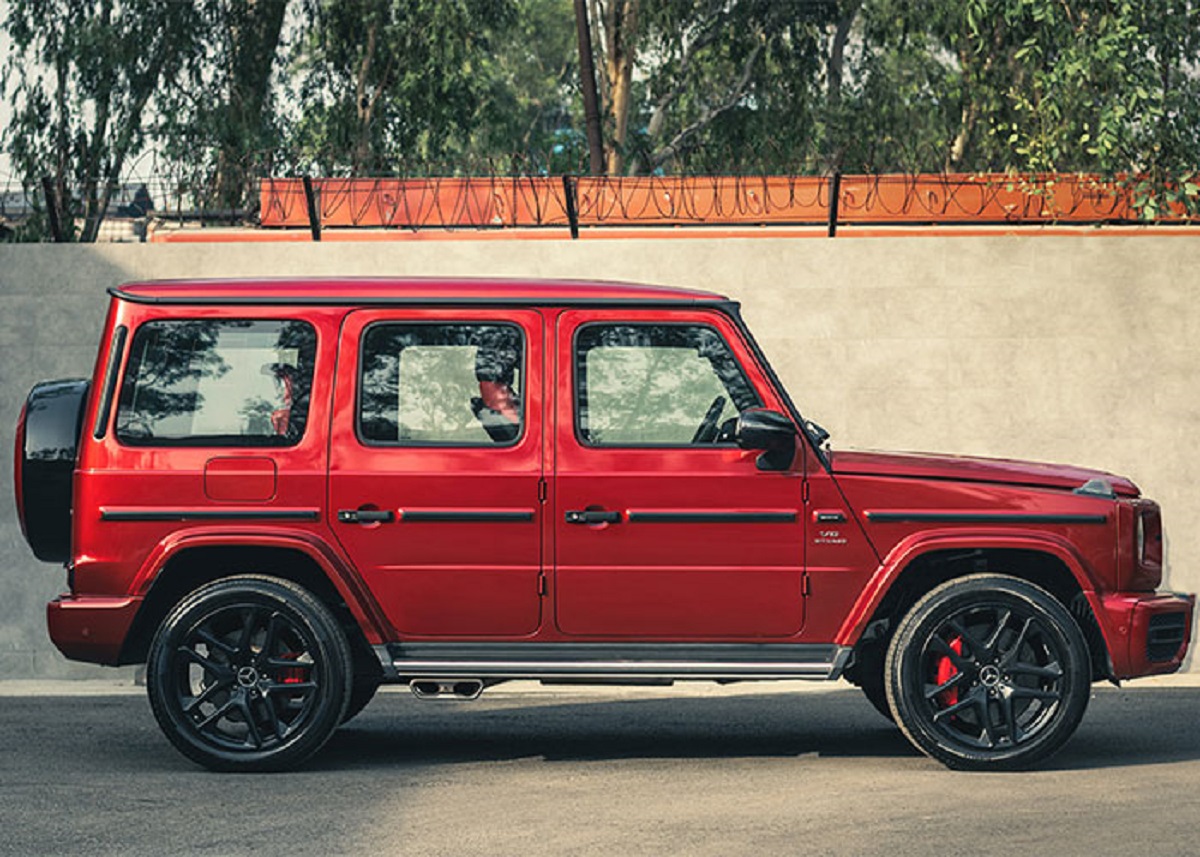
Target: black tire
[
  {"x": 361, "y": 693},
  {"x": 988, "y": 673},
  {"x": 249, "y": 674}
]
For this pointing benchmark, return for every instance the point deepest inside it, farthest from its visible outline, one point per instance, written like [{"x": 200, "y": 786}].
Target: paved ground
[{"x": 723, "y": 771}]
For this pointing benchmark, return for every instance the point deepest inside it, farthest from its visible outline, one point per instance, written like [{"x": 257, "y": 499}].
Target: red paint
[{"x": 239, "y": 479}]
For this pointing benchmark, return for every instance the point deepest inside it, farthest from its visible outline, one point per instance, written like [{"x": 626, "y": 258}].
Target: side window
[
  {"x": 217, "y": 382},
  {"x": 455, "y": 384},
  {"x": 657, "y": 385}
]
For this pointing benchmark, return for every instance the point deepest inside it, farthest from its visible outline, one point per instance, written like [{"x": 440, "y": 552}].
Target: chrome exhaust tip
[{"x": 446, "y": 688}]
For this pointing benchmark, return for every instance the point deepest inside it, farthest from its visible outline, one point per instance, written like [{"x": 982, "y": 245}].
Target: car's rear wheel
[
  {"x": 249, "y": 674},
  {"x": 988, "y": 672}
]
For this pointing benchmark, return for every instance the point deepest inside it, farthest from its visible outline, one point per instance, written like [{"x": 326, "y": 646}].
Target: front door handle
[
  {"x": 366, "y": 516},
  {"x": 592, "y": 516}
]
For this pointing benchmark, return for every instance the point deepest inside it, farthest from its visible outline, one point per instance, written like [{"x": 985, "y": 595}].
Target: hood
[{"x": 963, "y": 469}]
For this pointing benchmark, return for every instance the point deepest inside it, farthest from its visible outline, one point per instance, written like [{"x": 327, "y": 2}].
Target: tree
[
  {"x": 82, "y": 78},
  {"x": 1108, "y": 86},
  {"x": 220, "y": 130},
  {"x": 386, "y": 80}
]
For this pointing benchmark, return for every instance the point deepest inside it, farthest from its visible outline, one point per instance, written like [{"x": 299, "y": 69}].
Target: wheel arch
[
  {"x": 190, "y": 562},
  {"x": 913, "y": 570}
]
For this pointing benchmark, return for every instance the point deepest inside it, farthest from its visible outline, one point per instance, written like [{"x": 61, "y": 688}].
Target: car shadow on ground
[{"x": 1121, "y": 728}]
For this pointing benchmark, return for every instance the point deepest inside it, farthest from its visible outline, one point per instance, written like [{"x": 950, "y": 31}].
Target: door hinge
[
  {"x": 804, "y": 492},
  {"x": 541, "y": 490},
  {"x": 805, "y": 587},
  {"x": 541, "y": 584}
]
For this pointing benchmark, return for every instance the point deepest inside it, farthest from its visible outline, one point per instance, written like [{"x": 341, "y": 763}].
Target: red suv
[{"x": 280, "y": 495}]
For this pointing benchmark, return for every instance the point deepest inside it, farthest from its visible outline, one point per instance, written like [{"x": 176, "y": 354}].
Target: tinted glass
[
  {"x": 453, "y": 384},
  {"x": 657, "y": 385},
  {"x": 217, "y": 383}
]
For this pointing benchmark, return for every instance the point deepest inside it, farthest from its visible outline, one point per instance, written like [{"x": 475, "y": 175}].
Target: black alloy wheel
[
  {"x": 249, "y": 674},
  {"x": 988, "y": 672}
]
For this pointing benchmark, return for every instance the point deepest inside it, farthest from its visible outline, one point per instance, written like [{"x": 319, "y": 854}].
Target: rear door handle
[
  {"x": 366, "y": 516},
  {"x": 592, "y": 516}
]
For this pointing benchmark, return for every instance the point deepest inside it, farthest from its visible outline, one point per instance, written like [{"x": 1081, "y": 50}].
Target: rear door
[
  {"x": 664, "y": 527},
  {"x": 436, "y": 467}
]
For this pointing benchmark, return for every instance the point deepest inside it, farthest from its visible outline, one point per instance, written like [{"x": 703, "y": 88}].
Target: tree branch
[{"x": 706, "y": 118}]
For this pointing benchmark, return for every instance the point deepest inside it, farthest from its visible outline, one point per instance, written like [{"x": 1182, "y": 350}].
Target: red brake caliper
[
  {"x": 946, "y": 671},
  {"x": 290, "y": 675}
]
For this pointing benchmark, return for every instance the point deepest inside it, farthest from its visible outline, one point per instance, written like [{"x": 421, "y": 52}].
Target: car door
[
  {"x": 663, "y": 526},
  {"x": 436, "y": 467}
]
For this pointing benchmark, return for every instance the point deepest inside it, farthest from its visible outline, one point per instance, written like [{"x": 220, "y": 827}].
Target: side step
[{"x": 447, "y": 662}]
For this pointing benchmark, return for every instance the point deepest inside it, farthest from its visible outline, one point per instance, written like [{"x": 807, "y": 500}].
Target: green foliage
[
  {"x": 388, "y": 81},
  {"x": 226, "y": 91},
  {"x": 82, "y": 75}
]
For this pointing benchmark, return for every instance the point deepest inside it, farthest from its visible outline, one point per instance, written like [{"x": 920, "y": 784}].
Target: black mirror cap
[{"x": 770, "y": 431}]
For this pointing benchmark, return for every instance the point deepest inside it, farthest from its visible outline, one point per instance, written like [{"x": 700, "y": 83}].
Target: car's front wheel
[
  {"x": 988, "y": 672},
  {"x": 248, "y": 674}
]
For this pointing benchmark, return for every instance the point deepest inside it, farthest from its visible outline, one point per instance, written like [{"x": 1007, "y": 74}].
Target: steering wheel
[{"x": 707, "y": 432}]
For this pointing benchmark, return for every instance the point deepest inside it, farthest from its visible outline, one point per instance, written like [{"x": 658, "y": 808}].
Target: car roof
[{"x": 372, "y": 290}]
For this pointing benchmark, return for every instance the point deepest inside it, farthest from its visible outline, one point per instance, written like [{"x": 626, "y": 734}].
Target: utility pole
[{"x": 587, "y": 73}]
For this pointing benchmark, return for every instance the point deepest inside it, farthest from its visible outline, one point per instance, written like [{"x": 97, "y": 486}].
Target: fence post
[
  {"x": 52, "y": 209},
  {"x": 571, "y": 193},
  {"x": 314, "y": 217},
  {"x": 835, "y": 193}
]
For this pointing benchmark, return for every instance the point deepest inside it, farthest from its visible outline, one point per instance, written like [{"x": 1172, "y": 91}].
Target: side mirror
[{"x": 770, "y": 431}]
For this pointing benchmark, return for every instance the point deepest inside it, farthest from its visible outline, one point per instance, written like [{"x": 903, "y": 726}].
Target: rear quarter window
[{"x": 217, "y": 382}]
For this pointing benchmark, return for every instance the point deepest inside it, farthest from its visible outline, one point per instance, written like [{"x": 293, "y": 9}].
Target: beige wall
[{"x": 1074, "y": 349}]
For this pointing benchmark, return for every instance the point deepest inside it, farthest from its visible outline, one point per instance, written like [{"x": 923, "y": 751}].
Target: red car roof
[{"x": 371, "y": 289}]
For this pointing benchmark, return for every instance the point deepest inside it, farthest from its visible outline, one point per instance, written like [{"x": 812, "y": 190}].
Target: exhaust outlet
[{"x": 446, "y": 688}]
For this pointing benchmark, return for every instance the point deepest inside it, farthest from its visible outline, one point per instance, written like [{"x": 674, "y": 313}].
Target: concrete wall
[{"x": 1074, "y": 349}]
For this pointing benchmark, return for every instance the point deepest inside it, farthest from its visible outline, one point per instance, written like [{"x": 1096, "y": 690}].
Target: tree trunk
[
  {"x": 364, "y": 106},
  {"x": 837, "y": 51},
  {"x": 620, "y": 31},
  {"x": 587, "y": 75}
]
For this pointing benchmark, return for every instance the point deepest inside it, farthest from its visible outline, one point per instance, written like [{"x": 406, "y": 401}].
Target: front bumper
[
  {"x": 91, "y": 628},
  {"x": 1148, "y": 633}
]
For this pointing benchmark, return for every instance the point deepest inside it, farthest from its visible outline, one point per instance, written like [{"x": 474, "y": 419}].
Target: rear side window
[
  {"x": 217, "y": 382},
  {"x": 459, "y": 384}
]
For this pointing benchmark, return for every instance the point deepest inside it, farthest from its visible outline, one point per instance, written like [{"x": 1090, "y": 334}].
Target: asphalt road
[{"x": 578, "y": 771}]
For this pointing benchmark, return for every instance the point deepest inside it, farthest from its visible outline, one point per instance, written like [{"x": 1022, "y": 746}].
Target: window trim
[
  {"x": 255, "y": 442},
  {"x": 575, "y": 387},
  {"x": 438, "y": 444}
]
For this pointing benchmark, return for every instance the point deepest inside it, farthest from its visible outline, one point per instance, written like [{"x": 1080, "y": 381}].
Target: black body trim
[
  {"x": 116, "y": 352},
  {"x": 455, "y": 516},
  {"x": 982, "y": 518},
  {"x": 712, "y": 517},
  {"x": 210, "y": 514}
]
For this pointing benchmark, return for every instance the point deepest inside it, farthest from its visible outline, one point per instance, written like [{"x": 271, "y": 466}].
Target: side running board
[{"x": 581, "y": 661}]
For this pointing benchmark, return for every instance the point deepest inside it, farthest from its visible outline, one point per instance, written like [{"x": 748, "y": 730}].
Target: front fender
[{"x": 911, "y": 548}]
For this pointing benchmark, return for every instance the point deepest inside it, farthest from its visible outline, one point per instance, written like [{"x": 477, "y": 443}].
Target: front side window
[
  {"x": 657, "y": 385},
  {"x": 456, "y": 384},
  {"x": 217, "y": 382}
]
